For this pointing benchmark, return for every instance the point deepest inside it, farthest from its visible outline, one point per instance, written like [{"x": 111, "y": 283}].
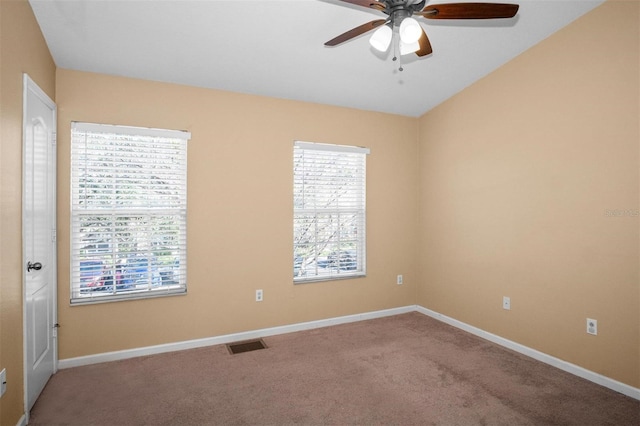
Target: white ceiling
[{"x": 276, "y": 48}]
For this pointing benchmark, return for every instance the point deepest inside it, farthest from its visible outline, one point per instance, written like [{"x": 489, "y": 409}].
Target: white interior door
[{"x": 38, "y": 234}]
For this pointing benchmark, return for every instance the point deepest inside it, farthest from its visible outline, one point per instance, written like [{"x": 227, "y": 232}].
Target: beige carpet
[{"x": 403, "y": 370}]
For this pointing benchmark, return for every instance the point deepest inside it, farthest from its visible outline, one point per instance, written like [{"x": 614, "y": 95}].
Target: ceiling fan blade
[
  {"x": 469, "y": 11},
  {"x": 373, "y": 4},
  {"x": 425, "y": 45},
  {"x": 354, "y": 32}
]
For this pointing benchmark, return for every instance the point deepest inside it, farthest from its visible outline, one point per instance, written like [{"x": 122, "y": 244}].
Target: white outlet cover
[
  {"x": 592, "y": 326},
  {"x": 506, "y": 303},
  {"x": 3, "y": 381}
]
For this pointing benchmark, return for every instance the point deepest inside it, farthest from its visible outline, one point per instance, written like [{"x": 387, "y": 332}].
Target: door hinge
[
  {"x": 54, "y": 138},
  {"x": 55, "y": 329},
  {"x": 54, "y": 235}
]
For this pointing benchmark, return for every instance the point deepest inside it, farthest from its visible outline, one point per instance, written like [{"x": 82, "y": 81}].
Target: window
[
  {"x": 329, "y": 200},
  {"x": 128, "y": 212}
]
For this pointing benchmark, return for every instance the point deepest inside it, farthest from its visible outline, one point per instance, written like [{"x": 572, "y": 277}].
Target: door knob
[{"x": 37, "y": 266}]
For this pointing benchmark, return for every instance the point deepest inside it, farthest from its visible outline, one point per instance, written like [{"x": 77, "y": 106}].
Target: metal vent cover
[{"x": 246, "y": 346}]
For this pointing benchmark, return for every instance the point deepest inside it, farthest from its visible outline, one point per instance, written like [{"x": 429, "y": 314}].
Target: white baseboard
[
  {"x": 22, "y": 421},
  {"x": 254, "y": 334},
  {"x": 537, "y": 355},
  {"x": 227, "y": 338}
]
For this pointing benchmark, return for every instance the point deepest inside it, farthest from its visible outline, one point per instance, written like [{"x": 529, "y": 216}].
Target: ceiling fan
[{"x": 401, "y": 26}]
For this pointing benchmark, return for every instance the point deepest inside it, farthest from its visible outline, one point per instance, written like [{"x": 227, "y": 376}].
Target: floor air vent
[{"x": 246, "y": 346}]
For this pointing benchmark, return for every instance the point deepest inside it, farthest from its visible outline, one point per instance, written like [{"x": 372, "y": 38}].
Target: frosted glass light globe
[
  {"x": 381, "y": 39},
  {"x": 410, "y": 30},
  {"x": 406, "y": 48}
]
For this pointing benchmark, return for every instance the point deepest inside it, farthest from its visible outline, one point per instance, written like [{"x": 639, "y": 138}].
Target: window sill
[
  {"x": 153, "y": 294},
  {"x": 331, "y": 278}
]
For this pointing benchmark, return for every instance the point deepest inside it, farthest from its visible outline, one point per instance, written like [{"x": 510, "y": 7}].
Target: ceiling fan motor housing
[
  {"x": 398, "y": 10},
  {"x": 395, "y": 5}
]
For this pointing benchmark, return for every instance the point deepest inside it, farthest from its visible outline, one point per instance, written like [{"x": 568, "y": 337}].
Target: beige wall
[
  {"x": 22, "y": 50},
  {"x": 240, "y": 212},
  {"x": 516, "y": 176}
]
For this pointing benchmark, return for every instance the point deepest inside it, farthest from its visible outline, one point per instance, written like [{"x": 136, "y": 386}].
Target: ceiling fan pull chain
[
  {"x": 397, "y": 55},
  {"x": 395, "y": 43}
]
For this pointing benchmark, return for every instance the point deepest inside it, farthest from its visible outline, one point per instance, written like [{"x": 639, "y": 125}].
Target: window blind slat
[
  {"x": 314, "y": 146},
  {"x": 129, "y": 130}
]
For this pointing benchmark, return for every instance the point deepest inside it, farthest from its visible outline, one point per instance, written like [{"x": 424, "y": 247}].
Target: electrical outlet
[
  {"x": 399, "y": 280},
  {"x": 258, "y": 295},
  {"x": 592, "y": 326},
  {"x": 506, "y": 303},
  {"x": 3, "y": 381}
]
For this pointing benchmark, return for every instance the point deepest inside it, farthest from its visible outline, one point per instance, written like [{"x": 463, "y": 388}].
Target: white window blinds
[
  {"x": 128, "y": 212},
  {"x": 329, "y": 197}
]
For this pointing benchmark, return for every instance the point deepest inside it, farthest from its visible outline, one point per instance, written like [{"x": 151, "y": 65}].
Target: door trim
[{"x": 30, "y": 86}]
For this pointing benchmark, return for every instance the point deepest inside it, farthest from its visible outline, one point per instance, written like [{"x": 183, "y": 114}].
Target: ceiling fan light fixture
[
  {"x": 406, "y": 48},
  {"x": 410, "y": 30},
  {"x": 381, "y": 39}
]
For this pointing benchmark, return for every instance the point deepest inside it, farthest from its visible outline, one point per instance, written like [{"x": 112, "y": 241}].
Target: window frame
[
  {"x": 333, "y": 257},
  {"x": 159, "y": 217}
]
